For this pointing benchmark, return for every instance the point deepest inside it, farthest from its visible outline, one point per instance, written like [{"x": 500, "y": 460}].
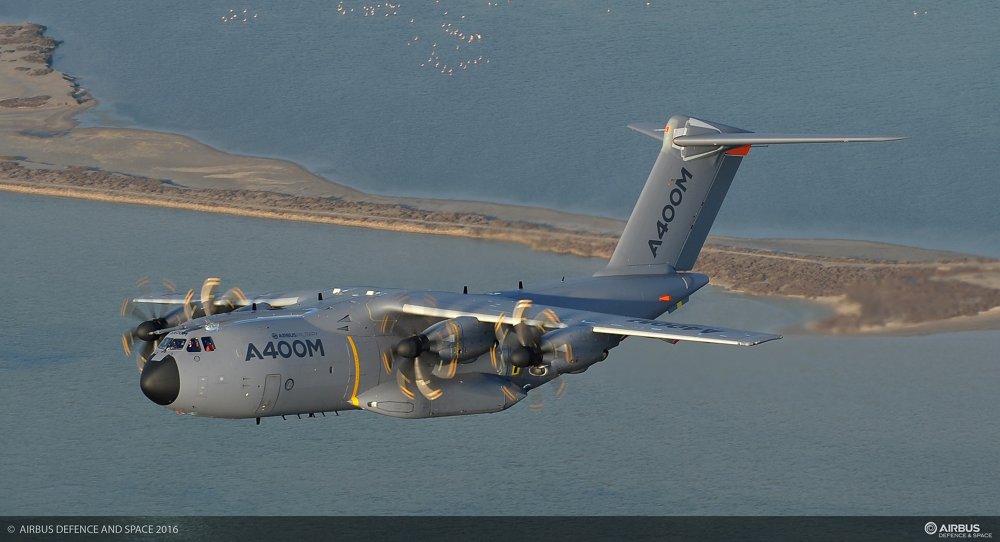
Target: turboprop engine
[
  {"x": 456, "y": 340},
  {"x": 573, "y": 349},
  {"x": 541, "y": 343}
]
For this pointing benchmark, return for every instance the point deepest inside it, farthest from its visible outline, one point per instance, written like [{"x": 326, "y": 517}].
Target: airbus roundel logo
[{"x": 930, "y": 527}]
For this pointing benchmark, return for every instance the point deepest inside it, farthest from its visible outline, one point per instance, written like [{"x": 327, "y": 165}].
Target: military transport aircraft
[{"x": 419, "y": 354}]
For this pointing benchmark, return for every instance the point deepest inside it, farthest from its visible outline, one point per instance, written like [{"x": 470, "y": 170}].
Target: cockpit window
[
  {"x": 209, "y": 344},
  {"x": 173, "y": 343},
  {"x": 193, "y": 345}
]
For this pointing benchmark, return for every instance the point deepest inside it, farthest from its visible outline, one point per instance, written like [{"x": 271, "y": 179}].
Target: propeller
[
  {"x": 162, "y": 317},
  {"x": 227, "y": 302},
  {"x": 425, "y": 380},
  {"x": 428, "y": 378},
  {"x": 438, "y": 351},
  {"x": 559, "y": 387},
  {"x": 519, "y": 344},
  {"x": 405, "y": 377},
  {"x": 417, "y": 375},
  {"x": 149, "y": 323},
  {"x": 208, "y": 294}
]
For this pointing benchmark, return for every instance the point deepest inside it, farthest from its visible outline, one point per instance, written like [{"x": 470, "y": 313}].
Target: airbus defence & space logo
[{"x": 956, "y": 530}]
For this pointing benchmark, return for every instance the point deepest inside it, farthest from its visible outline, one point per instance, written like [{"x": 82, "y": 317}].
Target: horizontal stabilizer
[
  {"x": 656, "y": 131},
  {"x": 750, "y": 138},
  {"x": 652, "y": 129}
]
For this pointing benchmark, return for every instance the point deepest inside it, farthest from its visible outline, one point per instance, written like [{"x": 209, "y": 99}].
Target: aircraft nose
[{"x": 161, "y": 381}]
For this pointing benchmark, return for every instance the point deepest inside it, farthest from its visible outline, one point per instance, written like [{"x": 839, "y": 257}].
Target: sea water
[
  {"x": 527, "y": 102},
  {"x": 804, "y": 425}
]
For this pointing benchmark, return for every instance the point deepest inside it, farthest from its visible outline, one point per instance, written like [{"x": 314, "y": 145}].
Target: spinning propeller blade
[
  {"x": 208, "y": 294},
  {"x": 537, "y": 403},
  {"x": 189, "y": 306},
  {"x": 405, "y": 378},
  {"x": 425, "y": 380},
  {"x": 523, "y": 347}
]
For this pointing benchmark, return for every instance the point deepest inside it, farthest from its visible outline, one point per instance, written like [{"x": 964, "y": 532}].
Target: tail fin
[{"x": 685, "y": 189}]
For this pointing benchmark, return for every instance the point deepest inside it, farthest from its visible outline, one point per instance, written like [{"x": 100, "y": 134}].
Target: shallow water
[
  {"x": 805, "y": 425},
  {"x": 543, "y": 122}
]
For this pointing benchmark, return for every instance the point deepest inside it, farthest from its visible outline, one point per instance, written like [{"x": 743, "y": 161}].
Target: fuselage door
[{"x": 272, "y": 386}]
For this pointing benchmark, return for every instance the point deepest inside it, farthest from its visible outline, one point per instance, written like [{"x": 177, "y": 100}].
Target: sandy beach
[{"x": 871, "y": 288}]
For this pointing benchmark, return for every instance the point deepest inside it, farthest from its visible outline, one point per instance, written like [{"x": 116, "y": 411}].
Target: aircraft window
[
  {"x": 193, "y": 345},
  {"x": 175, "y": 344},
  {"x": 209, "y": 344}
]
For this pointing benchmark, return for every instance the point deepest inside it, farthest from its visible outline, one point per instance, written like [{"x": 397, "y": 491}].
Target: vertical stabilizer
[
  {"x": 678, "y": 205},
  {"x": 683, "y": 194}
]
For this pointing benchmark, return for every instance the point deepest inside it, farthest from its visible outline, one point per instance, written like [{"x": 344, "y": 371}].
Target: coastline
[{"x": 872, "y": 288}]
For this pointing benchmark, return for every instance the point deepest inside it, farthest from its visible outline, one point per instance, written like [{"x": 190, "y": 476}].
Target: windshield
[{"x": 172, "y": 343}]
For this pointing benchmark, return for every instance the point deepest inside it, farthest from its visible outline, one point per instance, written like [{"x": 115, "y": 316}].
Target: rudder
[{"x": 679, "y": 202}]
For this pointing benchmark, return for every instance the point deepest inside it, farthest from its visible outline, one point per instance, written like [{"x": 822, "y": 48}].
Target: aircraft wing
[
  {"x": 611, "y": 324},
  {"x": 671, "y": 331},
  {"x": 211, "y": 292},
  {"x": 275, "y": 300}
]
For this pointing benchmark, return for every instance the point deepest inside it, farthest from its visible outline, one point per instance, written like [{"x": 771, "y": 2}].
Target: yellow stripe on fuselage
[{"x": 357, "y": 370}]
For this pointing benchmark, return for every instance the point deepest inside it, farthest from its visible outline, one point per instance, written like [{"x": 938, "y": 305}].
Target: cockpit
[
  {"x": 192, "y": 344},
  {"x": 172, "y": 343}
]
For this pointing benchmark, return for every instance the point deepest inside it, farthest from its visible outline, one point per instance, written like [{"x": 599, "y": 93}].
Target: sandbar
[{"x": 871, "y": 288}]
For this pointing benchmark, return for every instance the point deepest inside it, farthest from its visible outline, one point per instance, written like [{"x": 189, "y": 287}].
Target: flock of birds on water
[
  {"x": 454, "y": 46},
  {"x": 455, "y": 49},
  {"x": 458, "y": 37},
  {"x": 246, "y": 16}
]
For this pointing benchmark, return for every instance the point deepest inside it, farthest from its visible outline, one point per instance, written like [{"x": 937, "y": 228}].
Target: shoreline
[
  {"x": 486, "y": 231},
  {"x": 873, "y": 288}
]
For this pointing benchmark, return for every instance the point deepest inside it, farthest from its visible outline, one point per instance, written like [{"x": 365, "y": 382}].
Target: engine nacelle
[
  {"x": 459, "y": 339},
  {"x": 575, "y": 348}
]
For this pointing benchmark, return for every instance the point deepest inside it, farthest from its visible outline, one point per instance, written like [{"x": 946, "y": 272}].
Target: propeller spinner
[{"x": 149, "y": 324}]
